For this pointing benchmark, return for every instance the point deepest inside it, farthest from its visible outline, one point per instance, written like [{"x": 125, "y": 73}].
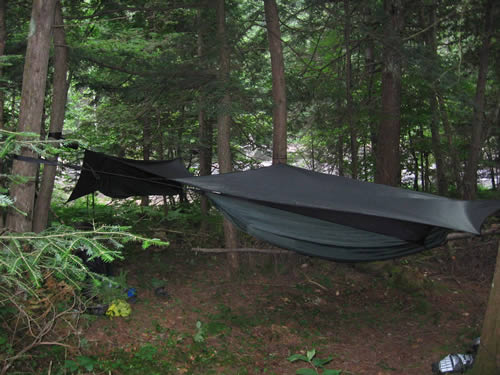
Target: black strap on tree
[{"x": 54, "y": 163}]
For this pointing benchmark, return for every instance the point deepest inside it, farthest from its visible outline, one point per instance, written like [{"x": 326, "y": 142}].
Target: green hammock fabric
[{"x": 315, "y": 237}]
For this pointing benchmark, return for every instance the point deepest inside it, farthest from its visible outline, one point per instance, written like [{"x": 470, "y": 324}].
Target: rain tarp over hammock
[
  {"x": 309, "y": 212},
  {"x": 336, "y": 217},
  {"x": 122, "y": 178}
]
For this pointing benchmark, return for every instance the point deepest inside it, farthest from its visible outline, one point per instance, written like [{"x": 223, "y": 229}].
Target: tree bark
[
  {"x": 206, "y": 128},
  {"x": 388, "y": 137},
  {"x": 340, "y": 154},
  {"x": 488, "y": 356},
  {"x": 3, "y": 41},
  {"x": 454, "y": 159},
  {"x": 278, "y": 78},
  {"x": 224, "y": 128},
  {"x": 30, "y": 116},
  {"x": 413, "y": 153},
  {"x": 60, "y": 94},
  {"x": 470, "y": 175},
  {"x": 146, "y": 150},
  {"x": 442, "y": 181},
  {"x": 348, "y": 88},
  {"x": 370, "y": 74}
]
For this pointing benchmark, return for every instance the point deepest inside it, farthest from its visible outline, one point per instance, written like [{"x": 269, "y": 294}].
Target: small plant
[
  {"x": 109, "y": 289},
  {"x": 316, "y": 364},
  {"x": 200, "y": 331},
  {"x": 146, "y": 353},
  {"x": 157, "y": 283},
  {"x": 80, "y": 363}
]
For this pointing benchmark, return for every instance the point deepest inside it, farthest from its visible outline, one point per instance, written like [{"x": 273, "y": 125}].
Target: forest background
[
  {"x": 144, "y": 82},
  {"x": 396, "y": 92}
]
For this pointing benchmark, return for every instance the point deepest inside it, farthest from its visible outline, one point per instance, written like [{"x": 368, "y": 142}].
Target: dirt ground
[{"x": 395, "y": 319}]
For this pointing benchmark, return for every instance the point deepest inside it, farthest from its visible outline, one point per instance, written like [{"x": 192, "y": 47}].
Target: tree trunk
[
  {"x": 488, "y": 357},
  {"x": 388, "y": 137},
  {"x": 161, "y": 152},
  {"x": 454, "y": 159},
  {"x": 30, "y": 116},
  {"x": 370, "y": 74},
  {"x": 413, "y": 153},
  {"x": 60, "y": 94},
  {"x": 470, "y": 175},
  {"x": 278, "y": 78},
  {"x": 206, "y": 139},
  {"x": 348, "y": 83},
  {"x": 224, "y": 129},
  {"x": 206, "y": 128},
  {"x": 340, "y": 154},
  {"x": 442, "y": 181},
  {"x": 3, "y": 41},
  {"x": 146, "y": 150}
]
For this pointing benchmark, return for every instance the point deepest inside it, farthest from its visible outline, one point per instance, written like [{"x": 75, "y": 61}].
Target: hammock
[
  {"x": 336, "y": 217},
  {"x": 312, "y": 213}
]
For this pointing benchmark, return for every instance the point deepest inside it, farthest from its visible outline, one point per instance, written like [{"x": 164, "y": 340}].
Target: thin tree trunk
[
  {"x": 161, "y": 152},
  {"x": 442, "y": 181},
  {"x": 370, "y": 74},
  {"x": 224, "y": 129},
  {"x": 470, "y": 175},
  {"x": 340, "y": 154},
  {"x": 488, "y": 356},
  {"x": 146, "y": 150},
  {"x": 30, "y": 116},
  {"x": 449, "y": 138},
  {"x": 388, "y": 137},
  {"x": 60, "y": 94},
  {"x": 3, "y": 40},
  {"x": 348, "y": 84},
  {"x": 427, "y": 172},
  {"x": 206, "y": 139},
  {"x": 279, "y": 88},
  {"x": 491, "y": 162},
  {"x": 413, "y": 153},
  {"x": 206, "y": 128},
  {"x": 278, "y": 78}
]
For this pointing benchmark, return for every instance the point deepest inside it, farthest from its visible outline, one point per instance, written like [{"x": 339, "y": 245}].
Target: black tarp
[
  {"x": 313, "y": 213},
  {"x": 121, "y": 178},
  {"x": 336, "y": 217}
]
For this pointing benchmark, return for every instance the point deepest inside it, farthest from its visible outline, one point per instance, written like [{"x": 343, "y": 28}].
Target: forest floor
[{"x": 369, "y": 322}]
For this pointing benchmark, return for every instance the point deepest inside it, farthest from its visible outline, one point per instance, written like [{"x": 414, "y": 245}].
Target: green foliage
[
  {"x": 80, "y": 363},
  {"x": 147, "y": 359},
  {"x": 153, "y": 241},
  {"x": 110, "y": 289},
  {"x": 317, "y": 364},
  {"x": 200, "y": 332},
  {"x": 150, "y": 68},
  {"x": 41, "y": 277},
  {"x": 29, "y": 258}
]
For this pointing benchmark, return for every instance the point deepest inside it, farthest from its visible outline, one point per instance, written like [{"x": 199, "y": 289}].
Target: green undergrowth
[
  {"x": 285, "y": 304},
  {"x": 181, "y": 223},
  {"x": 176, "y": 354}
]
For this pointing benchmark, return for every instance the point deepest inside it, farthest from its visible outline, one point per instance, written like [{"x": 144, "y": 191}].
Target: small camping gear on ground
[{"x": 457, "y": 363}]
